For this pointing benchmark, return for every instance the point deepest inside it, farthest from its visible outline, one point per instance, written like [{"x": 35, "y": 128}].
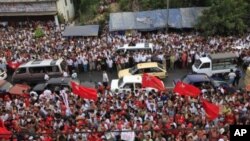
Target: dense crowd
[{"x": 149, "y": 116}]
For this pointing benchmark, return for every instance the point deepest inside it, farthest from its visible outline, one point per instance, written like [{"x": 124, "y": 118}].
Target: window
[
  {"x": 138, "y": 72},
  {"x": 120, "y": 81},
  {"x": 21, "y": 70},
  {"x": 64, "y": 65},
  {"x": 55, "y": 69},
  {"x": 205, "y": 66},
  {"x": 128, "y": 86},
  {"x": 197, "y": 63},
  {"x": 156, "y": 70},
  {"x": 37, "y": 70},
  {"x": 148, "y": 70},
  {"x": 65, "y": 2},
  {"x": 138, "y": 85}
]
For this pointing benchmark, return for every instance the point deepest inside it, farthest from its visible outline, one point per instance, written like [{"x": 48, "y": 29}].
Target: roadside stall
[{"x": 19, "y": 90}]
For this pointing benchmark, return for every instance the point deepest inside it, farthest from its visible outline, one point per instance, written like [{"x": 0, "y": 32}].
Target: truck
[{"x": 216, "y": 64}]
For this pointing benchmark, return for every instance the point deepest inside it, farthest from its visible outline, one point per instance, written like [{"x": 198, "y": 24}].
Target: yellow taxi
[{"x": 151, "y": 68}]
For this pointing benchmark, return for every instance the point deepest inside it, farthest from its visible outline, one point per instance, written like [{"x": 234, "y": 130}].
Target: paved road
[{"x": 97, "y": 76}]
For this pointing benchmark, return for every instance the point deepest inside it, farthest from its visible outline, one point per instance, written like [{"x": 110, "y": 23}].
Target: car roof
[
  {"x": 146, "y": 65},
  {"x": 63, "y": 81},
  {"x": 138, "y": 45},
  {"x": 132, "y": 79},
  {"x": 38, "y": 63},
  {"x": 197, "y": 78}
]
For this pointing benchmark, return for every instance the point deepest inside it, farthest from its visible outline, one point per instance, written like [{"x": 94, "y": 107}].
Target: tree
[{"x": 224, "y": 17}]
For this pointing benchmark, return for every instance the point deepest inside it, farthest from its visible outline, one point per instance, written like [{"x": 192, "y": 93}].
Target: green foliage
[
  {"x": 125, "y": 5},
  {"x": 224, "y": 17},
  {"x": 86, "y": 9},
  {"x": 39, "y": 32}
]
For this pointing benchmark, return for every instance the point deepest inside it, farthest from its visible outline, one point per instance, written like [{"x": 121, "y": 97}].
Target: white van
[
  {"x": 135, "y": 47},
  {"x": 34, "y": 71},
  {"x": 220, "y": 63},
  {"x": 128, "y": 84}
]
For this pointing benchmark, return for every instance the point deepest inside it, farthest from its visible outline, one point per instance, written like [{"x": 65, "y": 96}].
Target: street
[{"x": 97, "y": 76}]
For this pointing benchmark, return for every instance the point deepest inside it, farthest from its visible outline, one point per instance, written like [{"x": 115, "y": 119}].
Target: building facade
[{"x": 63, "y": 8}]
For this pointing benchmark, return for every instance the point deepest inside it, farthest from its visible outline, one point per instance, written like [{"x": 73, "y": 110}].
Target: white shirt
[{"x": 231, "y": 75}]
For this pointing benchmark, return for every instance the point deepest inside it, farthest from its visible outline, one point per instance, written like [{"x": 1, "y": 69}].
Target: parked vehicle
[
  {"x": 135, "y": 47},
  {"x": 54, "y": 84},
  {"x": 3, "y": 74},
  {"x": 17, "y": 90},
  {"x": 151, "y": 68},
  {"x": 220, "y": 63},
  {"x": 34, "y": 71},
  {"x": 201, "y": 80},
  {"x": 128, "y": 84}
]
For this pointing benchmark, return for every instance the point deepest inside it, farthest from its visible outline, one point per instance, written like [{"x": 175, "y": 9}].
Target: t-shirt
[{"x": 231, "y": 75}]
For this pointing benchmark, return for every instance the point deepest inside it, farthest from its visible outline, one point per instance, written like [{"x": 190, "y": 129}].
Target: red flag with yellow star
[
  {"x": 152, "y": 82},
  {"x": 186, "y": 89}
]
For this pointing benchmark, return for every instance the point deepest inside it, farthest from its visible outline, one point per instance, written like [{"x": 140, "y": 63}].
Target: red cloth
[
  {"x": 4, "y": 133},
  {"x": 186, "y": 89},
  {"x": 153, "y": 82},
  {"x": 212, "y": 110},
  {"x": 84, "y": 92},
  {"x": 13, "y": 65}
]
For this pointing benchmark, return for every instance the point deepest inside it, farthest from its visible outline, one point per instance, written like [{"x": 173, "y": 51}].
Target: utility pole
[{"x": 167, "y": 15}]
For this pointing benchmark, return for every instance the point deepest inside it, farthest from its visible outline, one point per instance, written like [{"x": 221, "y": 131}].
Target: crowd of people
[{"x": 162, "y": 116}]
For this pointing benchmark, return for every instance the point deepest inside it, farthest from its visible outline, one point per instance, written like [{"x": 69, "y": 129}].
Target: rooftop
[{"x": 15, "y": 1}]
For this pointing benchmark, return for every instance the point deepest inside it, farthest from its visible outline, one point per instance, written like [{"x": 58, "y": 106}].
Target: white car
[
  {"x": 3, "y": 74},
  {"x": 128, "y": 84},
  {"x": 135, "y": 47}
]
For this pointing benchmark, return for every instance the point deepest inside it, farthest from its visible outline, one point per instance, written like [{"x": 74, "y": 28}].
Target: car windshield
[
  {"x": 133, "y": 70},
  {"x": 120, "y": 81},
  {"x": 197, "y": 63}
]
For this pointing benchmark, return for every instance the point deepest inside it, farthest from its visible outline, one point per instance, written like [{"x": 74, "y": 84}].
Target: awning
[
  {"x": 87, "y": 30},
  {"x": 47, "y": 13},
  {"x": 19, "y": 89}
]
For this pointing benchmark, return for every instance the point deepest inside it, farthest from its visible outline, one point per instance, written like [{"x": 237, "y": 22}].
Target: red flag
[
  {"x": 84, "y": 92},
  {"x": 153, "y": 82},
  {"x": 186, "y": 89},
  {"x": 212, "y": 110},
  {"x": 4, "y": 133}
]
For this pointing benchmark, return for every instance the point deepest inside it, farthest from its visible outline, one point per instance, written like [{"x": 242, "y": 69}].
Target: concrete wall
[{"x": 66, "y": 9}]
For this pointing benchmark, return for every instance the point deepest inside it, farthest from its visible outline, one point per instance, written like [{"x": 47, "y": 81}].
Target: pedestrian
[
  {"x": 231, "y": 76},
  {"x": 237, "y": 77},
  {"x": 105, "y": 79}
]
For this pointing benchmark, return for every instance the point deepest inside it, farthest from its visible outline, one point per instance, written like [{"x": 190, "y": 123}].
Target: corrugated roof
[
  {"x": 87, "y": 30},
  {"x": 27, "y": 13}
]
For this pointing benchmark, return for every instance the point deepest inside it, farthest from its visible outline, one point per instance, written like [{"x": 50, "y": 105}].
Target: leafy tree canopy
[{"x": 224, "y": 17}]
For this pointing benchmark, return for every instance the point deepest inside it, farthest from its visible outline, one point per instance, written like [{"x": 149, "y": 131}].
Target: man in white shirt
[{"x": 231, "y": 76}]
